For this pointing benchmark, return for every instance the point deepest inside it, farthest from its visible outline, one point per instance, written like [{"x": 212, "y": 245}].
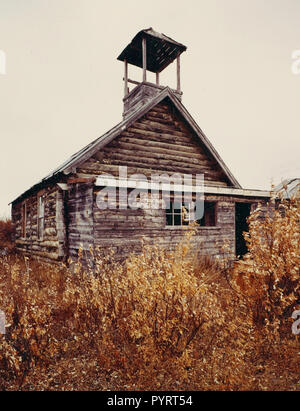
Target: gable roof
[{"x": 88, "y": 151}]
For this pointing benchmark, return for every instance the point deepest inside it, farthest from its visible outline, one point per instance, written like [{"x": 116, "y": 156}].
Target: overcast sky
[{"x": 63, "y": 84}]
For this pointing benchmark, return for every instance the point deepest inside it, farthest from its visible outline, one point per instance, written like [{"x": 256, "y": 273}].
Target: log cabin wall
[
  {"x": 80, "y": 219},
  {"x": 124, "y": 231},
  {"x": 159, "y": 142},
  {"x": 121, "y": 230},
  {"x": 50, "y": 245}
]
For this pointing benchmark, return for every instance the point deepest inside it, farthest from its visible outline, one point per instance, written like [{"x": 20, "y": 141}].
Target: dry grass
[{"x": 160, "y": 322}]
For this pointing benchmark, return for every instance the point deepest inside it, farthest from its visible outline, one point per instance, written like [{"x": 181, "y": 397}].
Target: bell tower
[{"x": 151, "y": 51}]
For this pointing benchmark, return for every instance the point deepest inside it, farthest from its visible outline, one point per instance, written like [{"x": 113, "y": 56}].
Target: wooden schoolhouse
[{"x": 157, "y": 135}]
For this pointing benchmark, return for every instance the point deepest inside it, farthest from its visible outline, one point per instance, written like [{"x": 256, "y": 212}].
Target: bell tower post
[{"x": 151, "y": 51}]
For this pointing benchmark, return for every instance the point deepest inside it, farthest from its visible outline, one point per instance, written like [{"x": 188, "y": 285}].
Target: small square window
[{"x": 179, "y": 214}]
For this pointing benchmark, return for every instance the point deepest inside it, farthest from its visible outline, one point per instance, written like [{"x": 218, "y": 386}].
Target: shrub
[
  {"x": 268, "y": 280},
  {"x": 161, "y": 320},
  {"x": 269, "y": 274},
  {"x": 6, "y": 235}
]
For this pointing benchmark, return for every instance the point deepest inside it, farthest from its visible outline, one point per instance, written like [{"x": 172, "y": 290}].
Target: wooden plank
[
  {"x": 114, "y": 170},
  {"x": 163, "y": 135},
  {"x": 132, "y": 142},
  {"x": 158, "y": 124},
  {"x": 157, "y": 127},
  {"x": 161, "y": 157},
  {"x": 157, "y": 165},
  {"x": 76, "y": 180},
  {"x": 157, "y": 137}
]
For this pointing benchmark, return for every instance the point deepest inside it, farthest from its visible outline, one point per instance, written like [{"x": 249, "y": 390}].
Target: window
[
  {"x": 41, "y": 217},
  {"x": 209, "y": 217},
  {"x": 23, "y": 221},
  {"x": 179, "y": 214}
]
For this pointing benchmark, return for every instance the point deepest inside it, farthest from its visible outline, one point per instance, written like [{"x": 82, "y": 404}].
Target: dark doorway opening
[{"x": 242, "y": 212}]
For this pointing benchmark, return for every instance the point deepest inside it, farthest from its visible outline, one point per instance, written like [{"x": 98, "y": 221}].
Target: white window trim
[{"x": 172, "y": 213}]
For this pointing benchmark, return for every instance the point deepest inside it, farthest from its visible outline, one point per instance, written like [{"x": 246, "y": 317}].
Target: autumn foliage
[
  {"x": 160, "y": 321},
  {"x": 6, "y": 236}
]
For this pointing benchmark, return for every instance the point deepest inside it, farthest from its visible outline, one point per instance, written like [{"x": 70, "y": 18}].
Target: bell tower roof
[
  {"x": 151, "y": 51},
  {"x": 161, "y": 50}
]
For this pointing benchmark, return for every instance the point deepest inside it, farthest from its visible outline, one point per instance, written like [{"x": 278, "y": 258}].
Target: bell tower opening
[{"x": 151, "y": 51}]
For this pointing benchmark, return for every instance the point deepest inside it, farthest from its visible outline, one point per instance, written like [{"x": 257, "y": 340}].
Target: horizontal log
[
  {"x": 161, "y": 108},
  {"x": 114, "y": 170},
  {"x": 153, "y": 149},
  {"x": 157, "y": 167},
  {"x": 155, "y": 126},
  {"x": 162, "y": 135},
  {"x": 156, "y": 142},
  {"x": 158, "y": 114},
  {"x": 155, "y": 158},
  {"x": 76, "y": 180},
  {"x": 179, "y": 126}
]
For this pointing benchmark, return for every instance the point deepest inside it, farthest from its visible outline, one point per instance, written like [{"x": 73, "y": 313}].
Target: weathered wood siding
[
  {"x": 160, "y": 142},
  {"x": 124, "y": 231},
  {"x": 80, "y": 219},
  {"x": 52, "y": 244}
]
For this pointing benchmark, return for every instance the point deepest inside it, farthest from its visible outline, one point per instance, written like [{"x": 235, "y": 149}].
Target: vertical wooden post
[
  {"x": 178, "y": 74},
  {"x": 125, "y": 78},
  {"x": 144, "y": 60},
  {"x": 157, "y": 79}
]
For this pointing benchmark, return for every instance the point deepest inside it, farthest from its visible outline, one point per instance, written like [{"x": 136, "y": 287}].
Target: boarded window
[{"x": 41, "y": 217}]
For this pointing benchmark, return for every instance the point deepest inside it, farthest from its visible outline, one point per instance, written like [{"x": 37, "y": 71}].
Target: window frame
[
  {"x": 174, "y": 213},
  {"x": 40, "y": 218},
  {"x": 205, "y": 217}
]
